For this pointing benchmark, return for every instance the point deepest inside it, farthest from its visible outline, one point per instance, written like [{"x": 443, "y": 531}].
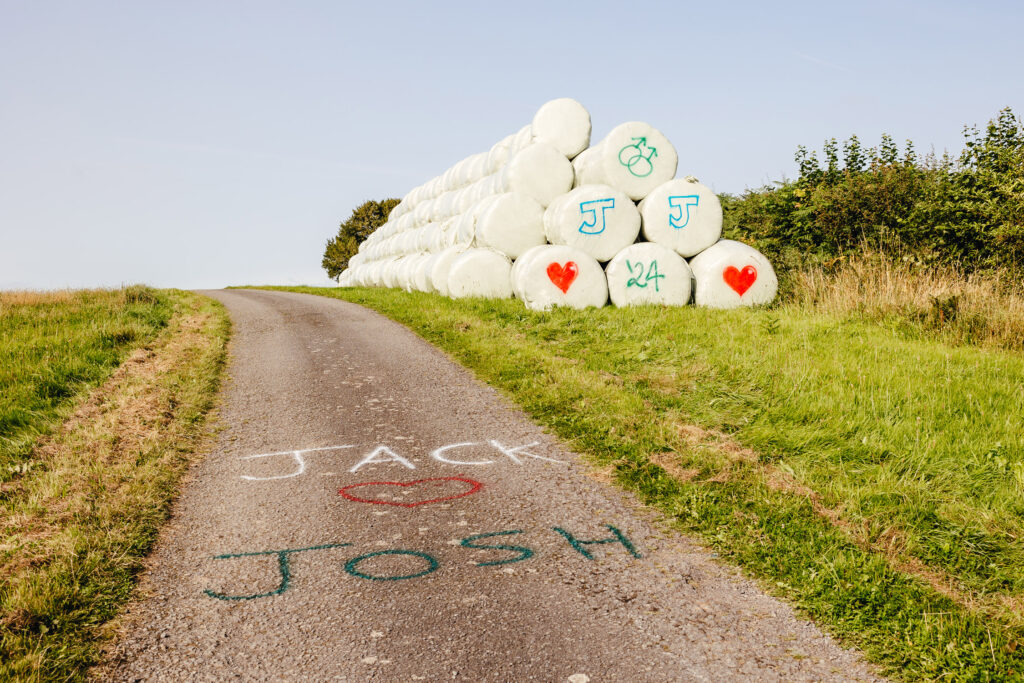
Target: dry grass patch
[
  {"x": 34, "y": 298},
  {"x": 980, "y": 308}
]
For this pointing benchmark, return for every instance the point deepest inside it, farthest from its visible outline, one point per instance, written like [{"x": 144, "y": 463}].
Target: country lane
[{"x": 370, "y": 511}]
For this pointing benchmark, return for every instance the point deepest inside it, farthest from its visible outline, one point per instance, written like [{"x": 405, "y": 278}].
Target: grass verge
[
  {"x": 55, "y": 347},
  {"x": 83, "y": 507},
  {"x": 870, "y": 474}
]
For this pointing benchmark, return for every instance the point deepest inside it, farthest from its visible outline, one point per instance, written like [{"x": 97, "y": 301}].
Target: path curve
[{"x": 373, "y": 512}]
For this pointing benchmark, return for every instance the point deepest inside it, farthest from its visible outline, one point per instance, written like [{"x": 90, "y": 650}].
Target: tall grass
[{"x": 979, "y": 308}]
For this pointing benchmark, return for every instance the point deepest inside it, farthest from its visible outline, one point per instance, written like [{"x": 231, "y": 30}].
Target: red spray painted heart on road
[
  {"x": 563, "y": 276},
  {"x": 740, "y": 280},
  {"x": 474, "y": 486}
]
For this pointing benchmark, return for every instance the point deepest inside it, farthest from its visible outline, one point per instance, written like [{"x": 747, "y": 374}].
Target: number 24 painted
[{"x": 638, "y": 269}]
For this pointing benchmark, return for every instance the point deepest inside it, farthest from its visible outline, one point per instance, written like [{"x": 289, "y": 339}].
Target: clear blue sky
[{"x": 203, "y": 144}]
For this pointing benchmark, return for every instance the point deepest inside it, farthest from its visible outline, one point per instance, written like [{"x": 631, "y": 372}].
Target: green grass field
[
  {"x": 104, "y": 399},
  {"x": 872, "y": 475},
  {"x": 56, "y": 346}
]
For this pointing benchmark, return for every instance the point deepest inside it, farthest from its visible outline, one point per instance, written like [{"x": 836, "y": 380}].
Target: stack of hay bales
[{"x": 547, "y": 218}]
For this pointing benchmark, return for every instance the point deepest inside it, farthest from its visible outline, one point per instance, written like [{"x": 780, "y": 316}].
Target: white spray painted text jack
[{"x": 384, "y": 454}]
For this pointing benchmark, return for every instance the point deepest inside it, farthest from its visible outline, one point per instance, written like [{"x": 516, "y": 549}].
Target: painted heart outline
[
  {"x": 474, "y": 486},
  {"x": 740, "y": 280},
  {"x": 563, "y": 276}
]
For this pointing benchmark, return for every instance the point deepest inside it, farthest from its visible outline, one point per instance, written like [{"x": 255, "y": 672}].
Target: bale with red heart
[
  {"x": 730, "y": 274},
  {"x": 555, "y": 275}
]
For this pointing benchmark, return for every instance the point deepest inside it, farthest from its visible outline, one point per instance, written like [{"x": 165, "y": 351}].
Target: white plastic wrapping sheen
[
  {"x": 648, "y": 273},
  {"x": 536, "y": 214},
  {"x": 480, "y": 272},
  {"x": 539, "y": 171},
  {"x": 563, "y": 123},
  {"x": 731, "y": 274},
  {"x": 440, "y": 268},
  {"x": 634, "y": 158},
  {"x": 511, "y": 223},
  {"x": 597, "y": 219},
  {"x": 554, "y": 275},
  {"x": 682, "y": 215}
]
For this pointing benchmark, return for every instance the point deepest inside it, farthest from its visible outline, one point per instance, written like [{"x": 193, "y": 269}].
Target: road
[{"x": 370, "y": 511}]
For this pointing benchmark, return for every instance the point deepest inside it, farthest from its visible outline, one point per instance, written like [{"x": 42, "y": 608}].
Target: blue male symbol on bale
[{"x": 637, "y": 157}]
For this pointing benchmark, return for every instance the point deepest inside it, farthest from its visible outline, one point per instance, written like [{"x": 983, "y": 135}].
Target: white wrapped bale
[
  {"x": 434, "y": 188},
  {"x": 555, "y": 275},
  {"x": 449, "y": 233},
  {"x": 498, "y": 156},
  {"x": 539, "y": 171},
  {"x": 421, "y": 214},
  {"x": 519, "y": 266},
  {"x": 406, "y": 222},
  {"x": 478, "y": 167},
  {"x": 683, "y": 215},
  {"x": 424, "y": 236},
  {"x": 731, "y": 274},
  {"x": 648, "y": 273},
  {"x": 597, "y": 219},
  {"x": 634, "y": 158},
  {"x": 421, "y": 278},
  {"x": 407, "y": 272},
  {"x": 465, "y": 229},
  {"x": 521, "y": 140},
  {"x": 440, "y": 268},
  {"x": 480, "y": 272},
  {"x": 464, "y": 200},
  {"x": 511, "y": 223},
  {"x": 563, "y": 123},
  {"x": 389, "y": 274},
  {"x": 443, "y": 207}
]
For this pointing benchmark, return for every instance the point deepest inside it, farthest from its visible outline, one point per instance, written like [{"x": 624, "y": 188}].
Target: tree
[{"x": 365, "y": 218}]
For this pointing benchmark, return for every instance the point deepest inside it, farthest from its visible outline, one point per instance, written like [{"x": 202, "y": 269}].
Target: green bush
[
  {"x": 366, "y": 218},
  {"x": 967, "y": 212}
]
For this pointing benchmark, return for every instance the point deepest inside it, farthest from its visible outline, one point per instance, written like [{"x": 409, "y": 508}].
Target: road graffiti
[
  {"x": 283, "y": 567},
  {"x": 356, "y": 566},
  {"x": 474, "y": 486},
  {"x": 351, "y": 565},
  {"x": 298, "y": 456},
  {"x": 380, "y": 455},
  {"x": 524, "y": 553},
  {"x": 578, "y": 544}
]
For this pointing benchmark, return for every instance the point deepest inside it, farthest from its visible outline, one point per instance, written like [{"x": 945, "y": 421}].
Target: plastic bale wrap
[
  {"x": 480, "y": 273},
  {"x": 597, "y": 219},
  {"x": 555, "y": 275},
  {"x": 563, "y": 123},
  {"x": 648, "y": 273},
  {"x": 683, "y": 215},
  {"x": 511, "y": 224},
  {"x": 731, "y": 274},
  {"x": 634, "y": 158},
  {"x": 539, "y": 171}
]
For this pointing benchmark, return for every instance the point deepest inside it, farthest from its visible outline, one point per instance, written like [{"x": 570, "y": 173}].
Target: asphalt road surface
[{"x": 373, "y": 512}]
